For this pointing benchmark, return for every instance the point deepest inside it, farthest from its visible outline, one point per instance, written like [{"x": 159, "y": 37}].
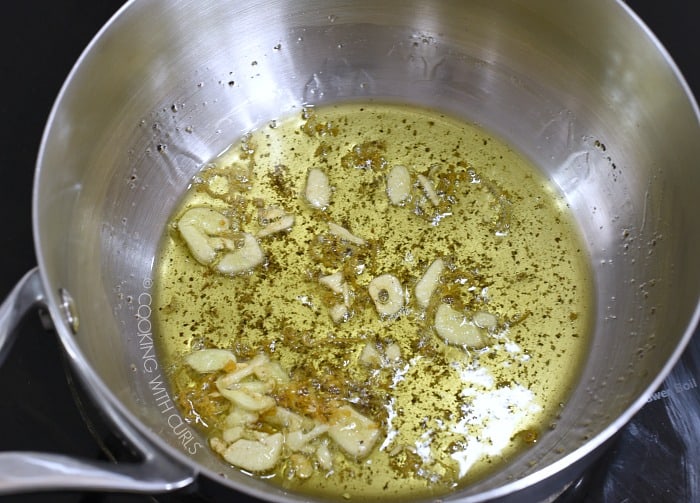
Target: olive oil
[{"x": 343, "y": 210}]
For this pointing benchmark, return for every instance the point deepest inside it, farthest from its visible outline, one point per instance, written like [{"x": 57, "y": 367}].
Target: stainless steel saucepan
[{"x": 582, "y": 88}]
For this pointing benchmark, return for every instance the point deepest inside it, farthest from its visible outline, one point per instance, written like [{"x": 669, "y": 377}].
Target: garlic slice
[
  {"x": 232, "y": 434},
  {"x": 209, "y": 360},
  {"x": 271, "y": 372},
  {"x": 243, "y": 259},
  {"x": 248, "y": 396},
  {"x": 485, "y": 320},
  {"x": 456, "y": 329},
  {"x": 318, "y": 189},
  {"x": 242, "y": 371},
  {"x": 354, "y": 433},
  {"x": 345, "y": 234},
  {"x": 297, "y": 440},
  {"x": 398, "y": 184},
  {"x": 282, "y": 223},
  {"x": 197, "y": 227},
  {"x": 324, "y": 456},
  {"x": 333, "y": 281},
  {"x": 339, "y": 313},
  {"x": 393, "y": 352},
  {"x": 429, "y": 189},
  {"x": 285, "y": 418},
  {"x": 370, "y": 355},
  {"x": 255, "y": 455},
  {"x": 240, "y": 417},
  {"x": 427, "y": 284},
  {"x": 387, "y": 293}
]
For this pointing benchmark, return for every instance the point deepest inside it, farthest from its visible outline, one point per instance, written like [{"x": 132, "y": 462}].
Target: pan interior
[{"x": 465, "y": 362}]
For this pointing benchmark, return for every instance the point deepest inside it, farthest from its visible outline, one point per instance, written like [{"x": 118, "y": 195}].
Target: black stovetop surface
[{"x": 655, "y": 458}]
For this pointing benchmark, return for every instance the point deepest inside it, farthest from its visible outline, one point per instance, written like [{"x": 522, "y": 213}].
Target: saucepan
[{"x": 580, "y": 88}]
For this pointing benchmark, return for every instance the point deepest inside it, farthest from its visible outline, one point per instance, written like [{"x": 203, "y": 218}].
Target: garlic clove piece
[
  {"x": 485, "y": 320},
  {"x": 387, "y": 293},
  {"x": 354, "y": 433},
  {"x": 324, "y": 457},
  {"x": 339, "y": 313},
  {"x": 282, "y": 223},
  {"x": 244, "y": 259},
  {"x": 393, "y": 352},
  {"x": 370, "y": 356},
  {"x": 240, "y": 417},
  {"x": 197, "y": 227},
  {"x": 429, "y": 189},
  {"x": 297, "y": 440},
  {"x": 207, "y": 220},
  {"x": 248, "y": 398},
  {"x": 333, "y": 281},
  {"x": 345, "y": 234},
  {"x": 429, "y": 282},
  {"x": 259, "y": 455},
  {"x": 232, "y": 434},
  {"x": 455, "y": 328},
  {"x": 318, "y": 189},
  {"x": 285, "y": 418},
  {"x": 398, "y": 185},
  {"x": 209, "y": 360}
]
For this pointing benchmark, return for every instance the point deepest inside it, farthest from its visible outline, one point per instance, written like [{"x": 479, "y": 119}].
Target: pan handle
[{"x": 28, "y": 471}]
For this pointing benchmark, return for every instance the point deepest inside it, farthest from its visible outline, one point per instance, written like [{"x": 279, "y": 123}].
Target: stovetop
[{"x": 655, "y": 458}]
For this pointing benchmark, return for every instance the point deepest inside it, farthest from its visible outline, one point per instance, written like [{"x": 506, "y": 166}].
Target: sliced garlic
[
  {"x": 387, "y": 293},
  {"x": 455, "y": 328},
  {"x": 429, "y": 189},
  {"x": 270, "y": 214},
  {"x": 370, "y": 355},
  {"x": 345, "y": 234},
  {"x": 318, "y": 189},
  {"x": 285, "y": 418},
  {"x": 339, "y": 313},
  {"x": 347, "y": 294},
  {"x": 255, "y": 455},
  {"x": 324, "y": 456},
  {"x": 333, "y": 281},
  {"x": 354, "y": 433},
  {"x": 243, "y": 259},
  {"x": 297, "y": 440},
  {"x": 393, "y": 352},
  {"x": 271, "y": 372},
  {"x": 232, "y": 434},
  {"x": 427, "y": 284},
  {"x": 485, "y": 320},
  {"x": 283, "y": 223},
  {"x": 248, "y": 397},
  {"x": 398, "y": 184},
  {"x": 243, "y": 370},
  {"x": 240, "y": 417},
  {"x": 209, "y": 360},
  {"x": 301, "y": 466},
  {"x": 197, "y": 226}
]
